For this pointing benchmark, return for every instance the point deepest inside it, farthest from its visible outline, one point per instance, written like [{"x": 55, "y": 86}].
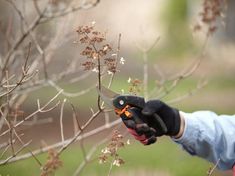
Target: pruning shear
[{"x": 121, "y": 104}]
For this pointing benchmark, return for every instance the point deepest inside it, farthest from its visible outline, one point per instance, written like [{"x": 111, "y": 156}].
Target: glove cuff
[{"x": 176, "y": 126}]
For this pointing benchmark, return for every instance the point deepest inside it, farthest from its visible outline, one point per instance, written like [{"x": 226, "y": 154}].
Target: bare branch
[
  {"x": 3, "y": 162},
  {"x": 35, "y": 3},
  {"x": 19, "y": 41},
  {"x": 40, "y": 50},
  {"x": 4, "y": 151},
  {"x": 78, "y": 133},
  {"x": 59, "y": 144},
  {"x": 69, "y": 10},
  {"x": 24, "y": 77},
  {"x": 117, "y": 59},
  {"x": 76, "y": 121},
  {"x": 23, "y": 144},
  {"x": 145, "y": 51},
  {"x": 211, "y": 170},
  {"x": 188, "y": 94},
  {"x": 61, "y": 120},
  {"x": 40, "y": 109},
  {"x": 67, "y": 94},
  {"x": 88, "y": 156}
]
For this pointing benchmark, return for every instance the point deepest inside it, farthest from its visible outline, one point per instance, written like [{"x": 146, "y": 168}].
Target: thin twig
[
  {"x": 211, "y": 170},
  {"x": 145, "y": 51},
  {"x": 4, "y": 151},
  {"x": 117, "y": 59},
  {"x": 40, "y": 109},
  {"x": 19, "y": 41},
  {"x": 81, "y": 130},
  {"x": 78, "y": 133},
  {"x": 61, "y": 120},
  {"x": 188, "y": 94},
  {"x": 8, "y": 119},
  {"x": 35, "y": 3},
  {"x": 16, "y": 153},
  {"x": 23, "y": 76},
  {"x": 89, "y": 155},
  {"x": 23, "y": 144},
  {"x": 111, "y": 166},
  {"x": 68, "y": 94},
  {"x": 76, "y": 118},
  {"x": 40, "y": 50},
  {"x": 99, "y": 77},
  {"x": 68, "y": 11}
]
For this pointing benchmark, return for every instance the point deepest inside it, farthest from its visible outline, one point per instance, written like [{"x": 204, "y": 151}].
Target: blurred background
[{"x": 140, "y": 23}]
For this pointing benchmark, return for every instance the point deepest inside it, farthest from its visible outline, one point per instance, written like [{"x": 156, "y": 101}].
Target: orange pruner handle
[{"x": 125, "y": 111}]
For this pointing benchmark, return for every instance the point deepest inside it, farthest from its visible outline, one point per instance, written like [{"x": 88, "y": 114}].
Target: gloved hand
[
  {"x": 137, "y": 126},
  {"x": 145, "y": 128}
]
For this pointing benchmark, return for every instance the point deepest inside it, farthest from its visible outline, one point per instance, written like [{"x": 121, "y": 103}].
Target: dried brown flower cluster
[
  {"x": 97, "y": 52},
  {"x": 52, "y": 164},
  {"x": 110, "y": 151},
  {"x": 135, "y": 86},
  {"x": 212, "y": 11}
]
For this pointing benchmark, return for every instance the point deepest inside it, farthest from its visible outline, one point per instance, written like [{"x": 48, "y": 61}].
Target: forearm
[{"x": 208, "y": 136}]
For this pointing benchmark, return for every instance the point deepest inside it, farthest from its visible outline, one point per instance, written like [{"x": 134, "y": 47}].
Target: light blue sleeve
[{"x": 210, "y": 136}]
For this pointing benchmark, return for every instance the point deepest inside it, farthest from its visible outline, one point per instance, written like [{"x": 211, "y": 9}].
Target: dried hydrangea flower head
[
  {"x": 135, "y": 86},
  {"x": 97, "y": 52},
  {"x": 53, "y": 163},
  {"x": 211, "y": 12},
  {"x": 111, "y": 150}
]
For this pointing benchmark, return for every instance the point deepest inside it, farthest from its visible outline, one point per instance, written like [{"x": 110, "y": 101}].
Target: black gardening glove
[
  {"x": 144, "y": 126},
  {"x": 137, "y": 126},
  {"x": 170, "y": 116}
]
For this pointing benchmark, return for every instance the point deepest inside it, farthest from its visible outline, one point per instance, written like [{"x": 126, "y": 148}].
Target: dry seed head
[
  {"x": 135, "y": 86},
  {"x": 84, "y": 29},
  {"x": 96, "y": 49},
  {"x": 111, "y": 64},
  {"x": 211, "y": 12},
  {"x": 118, "y": 162},
  {"x": 88, "y": 65},
  {"x": 103, "y": 159},
  {"x": 52, "y": 164},
  {"x": 111, "y": 150}
]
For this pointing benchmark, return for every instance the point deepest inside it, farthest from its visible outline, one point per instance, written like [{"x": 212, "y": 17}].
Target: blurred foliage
[{"x": 179, "y": 36}]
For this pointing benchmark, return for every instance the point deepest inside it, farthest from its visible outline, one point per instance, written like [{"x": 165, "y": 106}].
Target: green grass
[{"x": 163, "y": 156}]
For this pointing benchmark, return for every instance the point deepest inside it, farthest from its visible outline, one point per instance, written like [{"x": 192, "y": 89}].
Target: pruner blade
[
  {"x": 121, "y": 103},
  {"x": 107, "y": 95}
]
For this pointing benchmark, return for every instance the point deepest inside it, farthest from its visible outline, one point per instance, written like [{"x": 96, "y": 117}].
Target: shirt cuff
[{"x": 190, "y": 134}]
